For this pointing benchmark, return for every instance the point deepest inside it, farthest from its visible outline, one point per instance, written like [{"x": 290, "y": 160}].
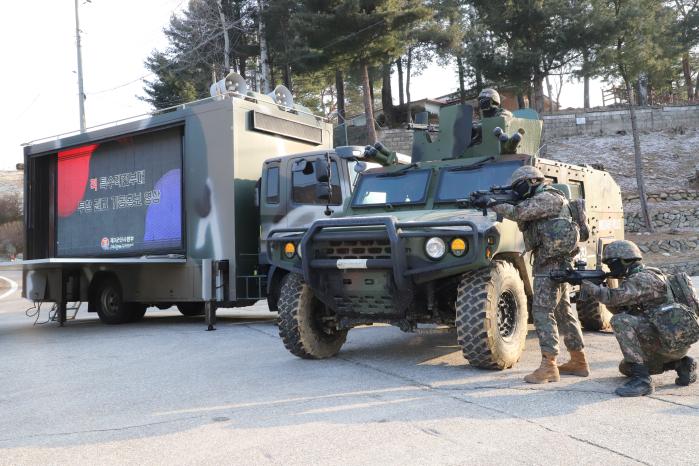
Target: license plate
[{"x": 351, "y": 264}]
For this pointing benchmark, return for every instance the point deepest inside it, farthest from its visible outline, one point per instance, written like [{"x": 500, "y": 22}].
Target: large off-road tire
[
  {"x": 191, "y": 309},
  {"x": 111, "y": 307},
  {"x": 300, "y": 322},
  {"x": 593, "y": 315},
  {"x": 491, "y": 316}
]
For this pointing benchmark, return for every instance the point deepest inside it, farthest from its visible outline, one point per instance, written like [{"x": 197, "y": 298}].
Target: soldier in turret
[
  {"x": 489, "y": 106},
  {"x": 641, "y": 290}
]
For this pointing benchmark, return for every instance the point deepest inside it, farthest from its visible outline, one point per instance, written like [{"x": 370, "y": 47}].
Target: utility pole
[{"x": 81, "y": 91}]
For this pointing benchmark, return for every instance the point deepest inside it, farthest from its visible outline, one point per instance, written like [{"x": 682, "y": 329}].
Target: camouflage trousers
[
  {"x": 552, "y": 311},
  {"x": 639, "y": 342}
]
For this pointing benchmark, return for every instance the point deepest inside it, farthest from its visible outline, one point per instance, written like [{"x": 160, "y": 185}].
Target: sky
[{"x": 39, "y": 82}]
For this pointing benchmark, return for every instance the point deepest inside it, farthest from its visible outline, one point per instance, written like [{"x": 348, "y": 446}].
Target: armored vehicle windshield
[
  {"x": 458, "y": 182},
  {"x": 396, "y": 188}
]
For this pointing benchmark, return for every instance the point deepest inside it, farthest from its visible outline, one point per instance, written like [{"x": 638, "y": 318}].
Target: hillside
[{"x": 11, "y": 182}]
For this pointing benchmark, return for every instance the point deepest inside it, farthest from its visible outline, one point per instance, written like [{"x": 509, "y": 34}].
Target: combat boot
[
  {"x": 653, "y": 369},
  {"x": 641, "y": 384},
  {"x": 547, "y": 371},
  {"x": 576, "y": 366},
  {"x": 686, "y": 371}
]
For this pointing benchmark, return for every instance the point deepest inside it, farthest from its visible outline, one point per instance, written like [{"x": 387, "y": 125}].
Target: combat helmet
[
  {"x": 491, "y": 94},
  {"x": 621, "y": 249},
  {"x": 527, "y": 172}
]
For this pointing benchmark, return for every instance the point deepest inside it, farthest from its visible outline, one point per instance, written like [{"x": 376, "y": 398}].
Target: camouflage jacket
[
  {"x": 642, "y": 289},
  {"x": 532, "y": 215}
]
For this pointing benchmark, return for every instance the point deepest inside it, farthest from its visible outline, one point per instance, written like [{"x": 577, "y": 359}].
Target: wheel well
[
  {"x": 276, "y": 278},
  {"x": 517, "y": 260}
]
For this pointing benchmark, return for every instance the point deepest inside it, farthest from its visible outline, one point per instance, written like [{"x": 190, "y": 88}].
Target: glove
[
  {"x": 481, "y": 202},
  {"x": 588, "y": 291}
]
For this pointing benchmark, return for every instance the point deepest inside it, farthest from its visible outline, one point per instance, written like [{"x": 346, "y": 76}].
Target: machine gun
[
  {"x": 501, "y": 194},
  {"x": 576, "y": 275}
]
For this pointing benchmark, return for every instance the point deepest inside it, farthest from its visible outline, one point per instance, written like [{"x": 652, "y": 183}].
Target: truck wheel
[
  {"x": 111, "y": 307},
  {"x": 301, "y": 322},
  {"x": 191, "y": 309},
  {"x": 491, "y": 316},
  {"x": 593, "y": 315}
]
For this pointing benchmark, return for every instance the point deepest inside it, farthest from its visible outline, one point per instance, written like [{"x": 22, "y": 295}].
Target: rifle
[
  {"x": 501, "y": 194},
  {"x": 576, "y": 275}
]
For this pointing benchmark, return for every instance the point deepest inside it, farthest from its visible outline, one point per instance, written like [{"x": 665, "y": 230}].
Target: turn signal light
[
  {"x": 458, "y": 247},
  {"x": 289, "y": 250}
]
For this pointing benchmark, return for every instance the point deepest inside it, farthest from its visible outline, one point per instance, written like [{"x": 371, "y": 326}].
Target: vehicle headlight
[
  {"x": 289, "y": 250},
  {"x": 435, "y": 248},
  {"x": 458, "y": 247}
]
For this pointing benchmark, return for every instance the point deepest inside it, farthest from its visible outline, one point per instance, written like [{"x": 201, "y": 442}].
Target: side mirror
[
  {"x": 323, "y": 192},
  {"x": 359, "y": 167},
  {"x": 322, "y": 169}
]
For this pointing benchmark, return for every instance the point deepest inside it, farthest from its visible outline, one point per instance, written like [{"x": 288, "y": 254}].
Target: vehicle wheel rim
[
  {"x": 110, "y": 301},
  {"x": 507, "y": 314}
]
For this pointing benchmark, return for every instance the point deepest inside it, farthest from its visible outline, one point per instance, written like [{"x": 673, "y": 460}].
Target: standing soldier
[
  {"x": 640, "y": 291},
  {"x": 550, "y": 234}
]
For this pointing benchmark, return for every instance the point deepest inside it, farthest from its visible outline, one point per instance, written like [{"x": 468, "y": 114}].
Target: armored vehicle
[{"x": 408, "y": 250}]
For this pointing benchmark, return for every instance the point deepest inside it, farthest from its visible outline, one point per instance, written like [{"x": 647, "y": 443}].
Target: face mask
[
  {"x": 617, "y": 268},
  {"x": 485, "y": 103},
  {"x": 521, "y": 188}
]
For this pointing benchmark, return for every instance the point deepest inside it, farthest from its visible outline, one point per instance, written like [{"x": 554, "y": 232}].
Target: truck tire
[
  {"x": 111, "y": 307},
  {"x": 593, "y": 315},
  {"x": 138, "y": 310},
  {"x": 300, "y": 322},
  {"x": 491, "y": 316},
  {"x": 191, "y": 309}
]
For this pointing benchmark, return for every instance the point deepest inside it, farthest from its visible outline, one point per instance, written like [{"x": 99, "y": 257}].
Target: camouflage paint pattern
[{"x": 551, "y": 308}]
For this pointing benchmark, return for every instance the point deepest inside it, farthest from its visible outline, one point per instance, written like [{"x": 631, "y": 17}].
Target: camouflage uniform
[
  {"x": 638, "y": 339},
  {"x": 551, "y": 308}
]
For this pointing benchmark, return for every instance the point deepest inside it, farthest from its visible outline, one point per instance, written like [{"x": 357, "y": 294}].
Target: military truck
[
  {"x": 166, "y": 209},
  {"x": 409, "y": 251}
]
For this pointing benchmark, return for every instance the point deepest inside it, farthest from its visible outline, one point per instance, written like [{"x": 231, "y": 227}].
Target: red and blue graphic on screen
[{"x": 122, "y": 197}]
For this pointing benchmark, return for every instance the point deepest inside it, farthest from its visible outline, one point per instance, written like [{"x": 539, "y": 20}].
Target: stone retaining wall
[
  {"x": 664, "y": 220},
  {"x": 577, "y": 122},
  {"x": 691, "y": 268},
  {"x": 668, "y": 245},
  {"x": 677, "y": 195}
]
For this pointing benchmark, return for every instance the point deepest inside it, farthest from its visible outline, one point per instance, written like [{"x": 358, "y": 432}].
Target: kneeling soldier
[{"x": 641, "y": 292}]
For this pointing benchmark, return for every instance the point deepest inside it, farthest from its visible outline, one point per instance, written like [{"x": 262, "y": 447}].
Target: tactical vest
[{"x": 554, "y": 236}]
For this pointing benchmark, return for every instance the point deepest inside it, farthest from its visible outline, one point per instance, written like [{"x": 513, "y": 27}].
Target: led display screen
[{"x": 121, "y": 197}]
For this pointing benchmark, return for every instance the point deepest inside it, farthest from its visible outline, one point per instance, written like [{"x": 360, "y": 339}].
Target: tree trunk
[
  {"x": 288, "y": 83},
  {"x": 479, "y": 79},
  {"x": 368, "y": 106},
  {"x": 370, "y": 72},
  {"x": 265, "y": 79},
  {"x": 462, "y": 89},
  {"x": 520, "y": 101},
  {"x": 539, "y": 94},
  {"x": 409, "y": 118},
  {"x": 340, "y": 89},
  {"x": 387, "y": 96},
  {"x": 226, "y": 40},
  {"x": 549, "y": 90},
  {"x": 687, "y": 76},
  {"x": 637, "y": 159}
]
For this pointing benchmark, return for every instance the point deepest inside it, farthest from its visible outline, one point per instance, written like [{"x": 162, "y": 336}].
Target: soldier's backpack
[
  {"x": 683, "y": 290},
  {"x": 558, "y": 236},
  {"x": 677, "y": 320}
]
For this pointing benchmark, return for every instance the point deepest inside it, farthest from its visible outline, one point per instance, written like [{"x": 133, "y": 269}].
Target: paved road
[{"x": 165, "y": 391}]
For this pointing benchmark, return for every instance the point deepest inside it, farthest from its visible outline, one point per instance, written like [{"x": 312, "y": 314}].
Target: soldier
[
  {"x": 545, "y": 221},
  {"x": 640, "y": 290},
  {"x": 489, "y": 106}
]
